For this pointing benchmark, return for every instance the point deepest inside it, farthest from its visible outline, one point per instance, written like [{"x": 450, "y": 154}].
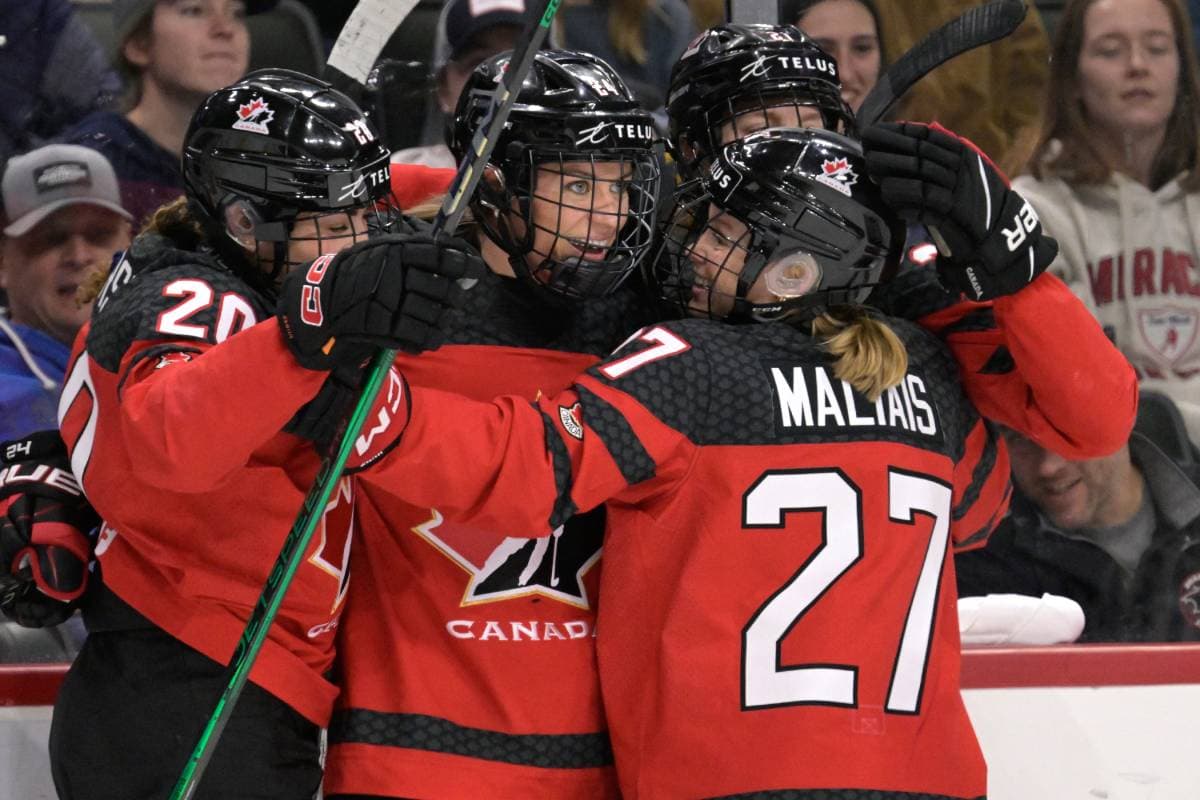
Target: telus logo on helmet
[
  {"x": 310, "y": 293},
  {"x": 793, "y": 66},
  {"x": 630, "y": 133},
  {"x": 358, "y": 187}
]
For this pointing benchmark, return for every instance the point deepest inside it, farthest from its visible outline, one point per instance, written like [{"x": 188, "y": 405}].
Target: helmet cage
[
  {"x": 573, "y": 116},
  {"x": 562, "y": 196},
  {"x": 532, "y": 194}
]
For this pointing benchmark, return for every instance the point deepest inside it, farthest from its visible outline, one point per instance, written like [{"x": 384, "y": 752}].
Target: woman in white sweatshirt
[{"x": 1115, "y": 179}]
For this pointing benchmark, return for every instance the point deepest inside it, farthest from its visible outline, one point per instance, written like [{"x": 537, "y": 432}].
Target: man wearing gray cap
[
  {"x": 173, "y": 54},
  {"x": 64, "y": 221}
]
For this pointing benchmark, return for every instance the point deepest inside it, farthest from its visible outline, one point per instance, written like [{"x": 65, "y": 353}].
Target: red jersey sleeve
[
  {"x": 560, "y": 455},
  {"x": 982, "y": 488},
  {"x": 172, "y": 400},
  {"x": 1038, "y": 362}
]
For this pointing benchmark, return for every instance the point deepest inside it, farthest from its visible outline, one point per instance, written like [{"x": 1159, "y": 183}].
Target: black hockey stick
[
  {"x": 975, "y": 28},
  {"x": 297, "y": 540}
]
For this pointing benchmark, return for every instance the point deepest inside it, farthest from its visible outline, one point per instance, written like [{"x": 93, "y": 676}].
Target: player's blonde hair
[{"x": 869, "y": 355}]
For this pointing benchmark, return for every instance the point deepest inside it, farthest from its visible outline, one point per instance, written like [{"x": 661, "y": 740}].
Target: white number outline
[
  {"x": 665, "y": 343},
  {"x": 766, "y": 682},
  {"x": 199, "y": 296}
]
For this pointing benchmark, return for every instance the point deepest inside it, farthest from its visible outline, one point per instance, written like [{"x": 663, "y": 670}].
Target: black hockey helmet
[
  {"x": 279, "y": 143},
  {"x": 733, "y": 75},
  {"x": 799, "y": 211},
  {"x": 573, "y": 118}
]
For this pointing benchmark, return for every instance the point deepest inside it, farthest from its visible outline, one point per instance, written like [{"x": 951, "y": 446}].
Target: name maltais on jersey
[{"x": 810, "y": 397}]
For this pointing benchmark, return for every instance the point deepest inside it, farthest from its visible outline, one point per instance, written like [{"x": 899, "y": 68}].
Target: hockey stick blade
[
  {"x": 366, "y": 32},
  {"x": 978, "y": 26}
]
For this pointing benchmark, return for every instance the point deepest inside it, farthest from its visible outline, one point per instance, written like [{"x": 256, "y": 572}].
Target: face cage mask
[
  {"x": 705, "y": 272},
  {"x": 757, "y": 109},
  {"x": 586, "y": 221},
  {"x": 331, "y": 231}
]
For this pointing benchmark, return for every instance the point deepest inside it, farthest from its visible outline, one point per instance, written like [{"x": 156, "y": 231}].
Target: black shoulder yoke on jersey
[
  {"x": 772, "y": 384},
  {"x": 161, "y": 292},
  {"x": 504, "y": 312}
]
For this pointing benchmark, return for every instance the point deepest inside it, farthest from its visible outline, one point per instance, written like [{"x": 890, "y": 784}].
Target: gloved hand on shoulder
[{"x": 990, "y": 238}]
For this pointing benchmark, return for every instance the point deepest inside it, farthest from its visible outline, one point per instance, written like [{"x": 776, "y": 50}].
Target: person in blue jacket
[{"x": 63, "y": 222}]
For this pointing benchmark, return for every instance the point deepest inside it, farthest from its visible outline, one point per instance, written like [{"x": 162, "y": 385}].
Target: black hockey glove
[
  {"x": 389, "y": 291},
  {"x": 45, "y": 527},
  {"x": 990, "y": 238}
]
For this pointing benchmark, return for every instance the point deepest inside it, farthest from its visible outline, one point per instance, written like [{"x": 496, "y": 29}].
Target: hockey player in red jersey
[
  {"x": 214, "y": 350},
  {"x": 783, "y": 498},
  {"x": 1028, "y": 359},
  {"x": 507, "y": 629},
  {"x": 466, "y": 654}
]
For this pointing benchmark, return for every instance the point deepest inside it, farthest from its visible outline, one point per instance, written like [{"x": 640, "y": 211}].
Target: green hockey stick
[{"x": 296, "y": 543}]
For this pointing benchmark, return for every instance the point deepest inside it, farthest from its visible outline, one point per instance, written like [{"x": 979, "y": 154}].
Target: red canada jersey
[
  {"x": 467, "y": 653},
  {"x": 1030, "y": 360},
  {"x": 778, "y": 593},
  {"x": 172, "y": 410}
]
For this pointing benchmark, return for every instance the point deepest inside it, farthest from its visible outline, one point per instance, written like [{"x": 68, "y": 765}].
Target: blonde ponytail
[{"x": 869, "y": 355}]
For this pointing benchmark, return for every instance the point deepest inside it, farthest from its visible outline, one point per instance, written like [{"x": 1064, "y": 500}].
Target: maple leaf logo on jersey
[
  {"x": 553, "y": 566},
  {"x": 254, "y": 116},
  {"x": 570, "y": 420},
  {"x": 837, "y": 174}
]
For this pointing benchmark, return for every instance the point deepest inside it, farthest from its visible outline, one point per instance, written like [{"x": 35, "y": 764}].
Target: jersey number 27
[{"x": 766, "y": 683}]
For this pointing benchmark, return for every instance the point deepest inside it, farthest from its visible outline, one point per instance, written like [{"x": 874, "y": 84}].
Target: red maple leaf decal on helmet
[
  {"x": 835, "y": 166},
  {"x": 252, "y": 109}
]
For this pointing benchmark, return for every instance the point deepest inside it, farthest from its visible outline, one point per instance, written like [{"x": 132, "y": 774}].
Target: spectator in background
[
  {"x": 990, "y": 95},
  {"x": 1115, "y": 181},
  {"x": 55, "y": 73},
  {"x": 65, "y": 222},
  {"x": 640, "y": 38},
  {"x": 469, "y": 31},
  {"x": 173, "y": 53},
  {"x": 1119, "y": 535},
  {"x": 849, "y": 31}
]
